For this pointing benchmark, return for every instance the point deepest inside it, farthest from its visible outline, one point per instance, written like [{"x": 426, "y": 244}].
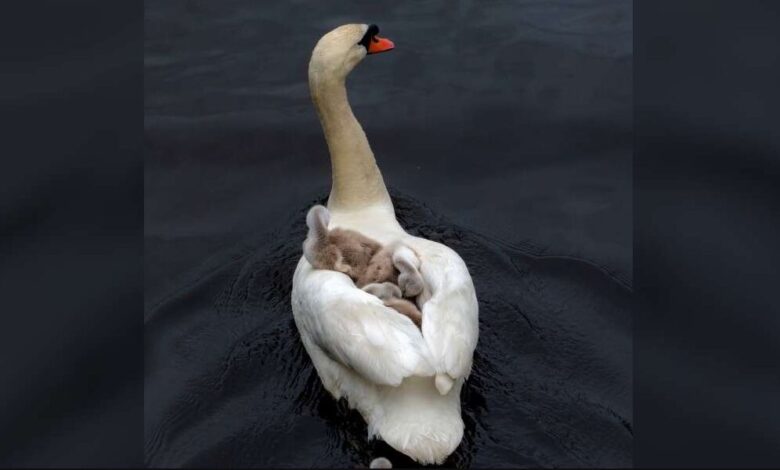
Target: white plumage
[{"x": 404, "y": 382}]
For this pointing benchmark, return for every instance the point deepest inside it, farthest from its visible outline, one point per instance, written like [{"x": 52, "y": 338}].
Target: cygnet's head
[{"x": 339, "y": 51}]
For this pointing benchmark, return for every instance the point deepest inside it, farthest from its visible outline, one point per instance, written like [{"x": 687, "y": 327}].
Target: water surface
[{"x": 503, "y": 130}]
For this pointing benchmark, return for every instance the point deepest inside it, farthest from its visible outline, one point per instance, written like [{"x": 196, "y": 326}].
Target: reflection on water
[{"x": 228, "y": 382}]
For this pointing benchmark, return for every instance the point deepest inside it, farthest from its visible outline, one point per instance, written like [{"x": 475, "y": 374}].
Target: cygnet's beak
[{"x": 377, "y": 45}]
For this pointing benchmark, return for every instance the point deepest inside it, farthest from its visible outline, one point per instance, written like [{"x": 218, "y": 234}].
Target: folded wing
[
  {"x": 355, "y": 329},
  {"x": 451, "y": 316}
]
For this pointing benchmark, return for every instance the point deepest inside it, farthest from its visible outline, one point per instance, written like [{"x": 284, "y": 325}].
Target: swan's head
[{"x": 339, "y": 51}]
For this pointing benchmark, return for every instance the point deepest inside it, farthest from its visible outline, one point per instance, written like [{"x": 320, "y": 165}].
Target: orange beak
[{"x": 378, "y": 45}]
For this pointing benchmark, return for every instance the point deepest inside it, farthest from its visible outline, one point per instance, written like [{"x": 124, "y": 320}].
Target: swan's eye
[{"x": 372, "y": 31}]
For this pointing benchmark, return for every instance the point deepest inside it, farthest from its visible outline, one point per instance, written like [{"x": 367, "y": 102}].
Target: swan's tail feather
[{"x": 420, "y": 422}]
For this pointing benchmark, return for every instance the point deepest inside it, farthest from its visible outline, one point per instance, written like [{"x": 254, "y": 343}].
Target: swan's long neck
[{"x": 357, "y": 181}]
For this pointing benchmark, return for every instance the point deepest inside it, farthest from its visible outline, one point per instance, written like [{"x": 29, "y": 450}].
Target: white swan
[{"x": 406, "y": 384}]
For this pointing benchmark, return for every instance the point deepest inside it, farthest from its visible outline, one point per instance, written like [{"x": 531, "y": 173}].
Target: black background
[
  {"x": 706, "y": 200},
  {"x": 71, "y": 227},
  {"x": 705, "y": 229}
]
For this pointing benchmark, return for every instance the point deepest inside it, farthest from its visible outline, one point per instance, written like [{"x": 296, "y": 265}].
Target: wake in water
[{"x": 228, "y": 382}]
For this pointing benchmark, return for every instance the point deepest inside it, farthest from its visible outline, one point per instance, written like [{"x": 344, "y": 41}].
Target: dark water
[
  {"x": 503, "y": 130},
  {"x": 229, "y": 383}
]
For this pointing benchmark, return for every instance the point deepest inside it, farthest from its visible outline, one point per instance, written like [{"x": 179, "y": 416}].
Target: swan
[{"x": 404, "y": 381}]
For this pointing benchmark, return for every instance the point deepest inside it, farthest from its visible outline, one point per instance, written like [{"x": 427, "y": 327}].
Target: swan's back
[{"x": 412, "y": 417}]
